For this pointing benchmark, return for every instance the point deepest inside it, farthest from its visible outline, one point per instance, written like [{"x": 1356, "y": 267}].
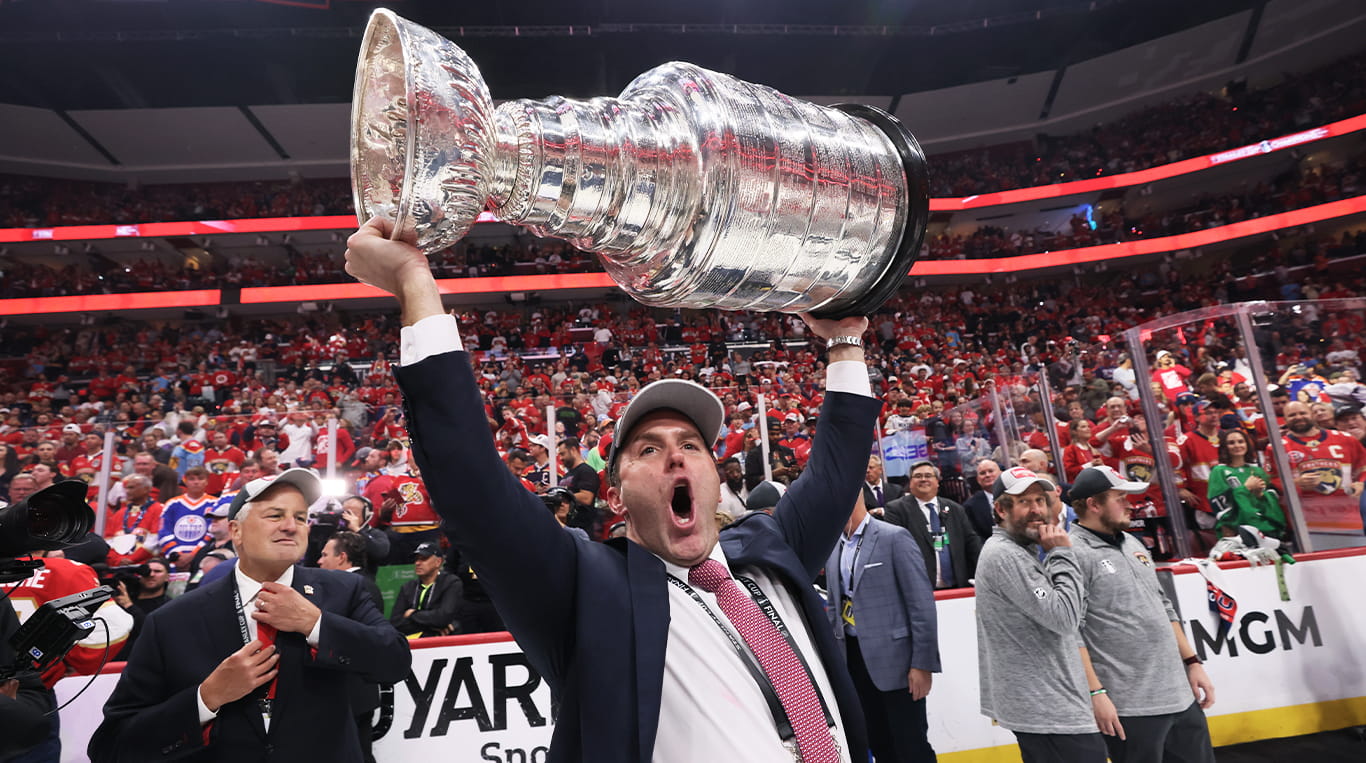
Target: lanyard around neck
[{"x": 775, "y": 705}]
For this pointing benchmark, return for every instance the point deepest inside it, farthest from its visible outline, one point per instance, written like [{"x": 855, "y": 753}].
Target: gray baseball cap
[
  {"x": 1094, "y": 480},
  {"x": 694, "y": 401},
  {"x": 304, "y": 479}
]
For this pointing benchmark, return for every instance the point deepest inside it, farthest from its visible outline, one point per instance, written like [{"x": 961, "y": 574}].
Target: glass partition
[{"x": 1259, "y": 405}]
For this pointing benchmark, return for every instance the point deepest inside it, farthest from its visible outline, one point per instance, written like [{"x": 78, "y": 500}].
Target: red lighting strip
[
  {"x": 488, "y": 285},
  {"x": 1354, "y": 205},
  {"x": 194, "y": 228},
  {"x": 1152, "y": 174},
  {"x": 95, "y": 303},
  {"x": 347, "y": 222},
  {"x": 542, "y": 283}
]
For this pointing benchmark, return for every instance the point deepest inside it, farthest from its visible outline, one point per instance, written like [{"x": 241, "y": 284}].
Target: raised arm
[
  {"x": 808, "y": 513},
  {"x": 526, "y": 562}
]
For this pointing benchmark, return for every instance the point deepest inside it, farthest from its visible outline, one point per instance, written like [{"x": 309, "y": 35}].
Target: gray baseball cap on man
[
  {"x": 304, "y": 479},
  {"x": 694, "y": 401}
]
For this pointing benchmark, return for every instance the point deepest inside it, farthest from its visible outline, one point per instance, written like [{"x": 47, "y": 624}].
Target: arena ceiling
[{"x": 142, "y": 54}]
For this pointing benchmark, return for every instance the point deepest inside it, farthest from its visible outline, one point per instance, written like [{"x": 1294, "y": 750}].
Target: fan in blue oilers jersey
[{"x": 183, "y": 525}]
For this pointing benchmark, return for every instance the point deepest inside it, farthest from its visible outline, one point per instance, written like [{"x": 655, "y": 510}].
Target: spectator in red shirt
[
  {"x": 222, "y": 460},
  {"x": 346, "y": 446},
  {"x": 1171, "y": 376},
  {"x": 70, "y": 445},
  {"x": 1079, "y": 453},
  {"x": 133, "y": 525}
]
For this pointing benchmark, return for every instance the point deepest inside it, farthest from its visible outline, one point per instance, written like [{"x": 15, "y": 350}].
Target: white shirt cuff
[
  {"x": 205, "y": 714},
  {"x": 312, "y": 637},
  {"x": 430, "y": 336},
  {"x": 848, "y": 376}
]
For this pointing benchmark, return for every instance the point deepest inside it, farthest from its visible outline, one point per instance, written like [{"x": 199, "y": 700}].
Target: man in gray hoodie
[{"x": 1028, "y": 615}]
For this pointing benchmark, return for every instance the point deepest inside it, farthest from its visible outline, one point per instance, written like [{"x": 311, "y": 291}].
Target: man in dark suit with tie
[
  {"x": 882, "y": 611},
  {"x": 630, "y": 634},
  {"x": 940, "y": 527},
  {"x": 346, "y": 551},
  {"x": 255, "y": 664},
  {"x": 979, "y": 504},
  {"x": 877, "y": 490}
]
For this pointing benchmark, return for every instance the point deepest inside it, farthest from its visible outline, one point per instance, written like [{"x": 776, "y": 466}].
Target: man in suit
[
  {"x": 251, "y": 666},
  {"x": 979, "y": 504},
  {"x": 629, "y": 634},
  {"x": 883, "y": 614},
  {"x": 345, "y": 551},
  {"x": 940, "y": 527},
  {"x": 878, "y": 491},
  {"x": 428, "y": 605}
]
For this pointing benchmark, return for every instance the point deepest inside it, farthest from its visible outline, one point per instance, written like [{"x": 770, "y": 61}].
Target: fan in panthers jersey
[
  {"x": 1199, "y": 455},
  {"x": 223, "y": 460},
  {"x": 1328, "y": 468},
  {"x": 183, "y": 525},
  {"x": 405, "y": 513},
  {"x": 1135, "y": 457}
]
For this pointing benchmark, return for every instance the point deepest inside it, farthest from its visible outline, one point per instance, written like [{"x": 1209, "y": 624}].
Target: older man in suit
[
  {"x": 251, "y": 666},
  {"x": 979, "y": 504},
  {"x": 878, "y": 491},
  {"x": 882, "y": 609},
  {"x": 631, "y": 634},
  {"x": 940, "y": 527}
]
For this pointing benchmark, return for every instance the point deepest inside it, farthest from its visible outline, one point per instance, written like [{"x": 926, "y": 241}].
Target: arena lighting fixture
[
  {"x": 542, "y": 283},
  {"x": 998, "y": 198},
  {"x": 333, "y": 488}
]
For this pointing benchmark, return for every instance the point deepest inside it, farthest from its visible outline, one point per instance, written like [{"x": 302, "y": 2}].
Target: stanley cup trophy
[{"x": 694, "y": 188}]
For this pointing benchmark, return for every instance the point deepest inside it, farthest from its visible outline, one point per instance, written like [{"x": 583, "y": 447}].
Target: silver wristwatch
[{"x": 834, "y": 341}]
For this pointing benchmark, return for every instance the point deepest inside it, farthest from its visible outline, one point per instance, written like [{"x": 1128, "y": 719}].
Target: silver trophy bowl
[{"x": 694, "y": 188}]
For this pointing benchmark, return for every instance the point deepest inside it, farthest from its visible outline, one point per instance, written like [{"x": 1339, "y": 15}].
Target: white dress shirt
[
  {"x": 248, "y": 588},
  {"x": 710, "y": 708},
  {"x": 929, "y": 527}
]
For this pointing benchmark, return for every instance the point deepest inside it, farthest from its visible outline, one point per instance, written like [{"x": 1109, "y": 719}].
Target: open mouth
[{"x": 681, "y": 503}]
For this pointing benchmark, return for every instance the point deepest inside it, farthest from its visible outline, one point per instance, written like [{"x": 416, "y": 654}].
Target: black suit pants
[{"x": 898, "y": 729}]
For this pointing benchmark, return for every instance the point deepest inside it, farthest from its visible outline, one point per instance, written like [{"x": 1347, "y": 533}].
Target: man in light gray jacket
[{"x": 1028, "y": 615}]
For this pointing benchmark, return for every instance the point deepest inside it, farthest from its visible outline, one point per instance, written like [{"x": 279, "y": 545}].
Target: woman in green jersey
[{"x": 1241, "y": 491}]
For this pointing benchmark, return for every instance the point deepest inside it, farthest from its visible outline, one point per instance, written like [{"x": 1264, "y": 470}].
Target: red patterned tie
[
  {"x": 776, "y": 657},
  {"x": 265, "y": 633}
]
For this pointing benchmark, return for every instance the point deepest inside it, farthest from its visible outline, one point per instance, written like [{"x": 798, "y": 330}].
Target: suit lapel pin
[{"x": 308, "y": 589}]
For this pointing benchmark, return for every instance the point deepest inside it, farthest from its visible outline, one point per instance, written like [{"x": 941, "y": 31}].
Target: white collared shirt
[
  {"x": 248, "y": 588},
  {"x": 707, "y": 685},
  {"x": 929, "y": 527}
]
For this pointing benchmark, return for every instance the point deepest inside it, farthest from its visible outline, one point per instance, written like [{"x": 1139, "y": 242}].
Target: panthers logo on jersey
[
  {"x": 1140, "y": 472},
  {"x": 411, "y": 494},
  {"x": 1330, "y": 479}
]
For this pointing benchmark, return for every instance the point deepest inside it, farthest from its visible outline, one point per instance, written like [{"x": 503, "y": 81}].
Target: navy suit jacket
[
  {"x": 894, "y": 612},
  {"x": 153, "y": 713},
  {"x": 593, "y": 618},
  {"x": 980, "y": 513}
]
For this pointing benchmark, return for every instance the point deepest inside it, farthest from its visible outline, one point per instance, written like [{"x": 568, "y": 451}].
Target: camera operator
[
  {"x": 28, "y": 720},
  {"x": 23, "y": 698}
]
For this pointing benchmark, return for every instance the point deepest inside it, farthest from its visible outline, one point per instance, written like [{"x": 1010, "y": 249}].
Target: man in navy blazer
[
  {"x": 198, "y": 688},
  {"x": 640, "y": 668},
  {"x": 882, "y": 610}
]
